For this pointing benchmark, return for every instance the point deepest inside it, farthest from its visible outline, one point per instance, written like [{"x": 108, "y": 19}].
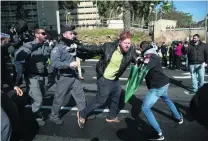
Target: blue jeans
[
  {"x": 19, "y": 70},
  {"x": 197, "y": 76},
  {"x": 186, "y": 56},
  {"x": 151, "y": 98}
]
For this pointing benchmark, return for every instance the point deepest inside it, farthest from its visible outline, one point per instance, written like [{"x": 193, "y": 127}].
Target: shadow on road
[
  {"x": 179, "y": 84},
  {"x": 185, "y": 111},
  {"x": 137, "y": 128}
]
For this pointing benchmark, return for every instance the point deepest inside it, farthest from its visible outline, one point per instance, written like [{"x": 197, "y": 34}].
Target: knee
[
  {"x": 145, "y": 108},
  {"x": 39, "y": 100}
]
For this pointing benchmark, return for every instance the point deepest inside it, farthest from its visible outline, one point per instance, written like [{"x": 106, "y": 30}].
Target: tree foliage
[
  {"x": 68, "y": 5},
  {"x": 183, "y": 19},
  {"x": 108, "y": 9}
]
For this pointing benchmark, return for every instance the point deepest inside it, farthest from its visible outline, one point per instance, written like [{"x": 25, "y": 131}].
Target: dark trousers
[
  {"x": 65, "y": 86},
  {"x": 170, "y": 61},
  {"x": 106, "y": 88},
  {"x": 164, "y": 60},
  {"x": 11, "y": 110},
  {"x": 178, "y": 62},
  {"x": 5, "y": 127}
]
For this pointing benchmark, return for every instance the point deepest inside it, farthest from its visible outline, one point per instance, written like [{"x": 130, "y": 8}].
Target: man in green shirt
[{"x": 115, "y": 58}]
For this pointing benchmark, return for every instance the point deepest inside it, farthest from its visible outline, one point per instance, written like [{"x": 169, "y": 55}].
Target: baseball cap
[
  {"x": 4, "y": 35},
  {"x": 67, "y": 28}
]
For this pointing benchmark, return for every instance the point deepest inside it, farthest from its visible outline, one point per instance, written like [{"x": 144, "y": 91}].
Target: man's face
[
  {"x": 125, "y": 45},
  {"x": 195, "y": 39},
  {"x": 41, "y": 35},
  {"x": 5, "y": 42},
  {"x": 69, "y": 35}
]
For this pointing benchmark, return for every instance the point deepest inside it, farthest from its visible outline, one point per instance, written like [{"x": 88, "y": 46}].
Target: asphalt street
[{"x": 133, "y": 125}]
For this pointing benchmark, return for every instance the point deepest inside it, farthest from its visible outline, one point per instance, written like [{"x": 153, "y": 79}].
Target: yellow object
[
  {"x": 49, "y": 61},
  {"x": 113, "y": 65}
]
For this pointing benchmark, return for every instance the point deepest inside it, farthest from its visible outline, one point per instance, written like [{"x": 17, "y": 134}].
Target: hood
[{"x": 150, "y": 51}]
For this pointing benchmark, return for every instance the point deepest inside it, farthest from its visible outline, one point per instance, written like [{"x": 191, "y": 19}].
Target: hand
[
  {"x": 73, "y": 65},
  {"x": 18, "y": 91}
]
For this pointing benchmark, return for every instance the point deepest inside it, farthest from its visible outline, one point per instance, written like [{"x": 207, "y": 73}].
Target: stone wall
[{"x": 178, "y": 34}]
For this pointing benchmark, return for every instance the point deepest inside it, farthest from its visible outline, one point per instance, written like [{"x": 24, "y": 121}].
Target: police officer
[
  {"x": 35, "y": 54},
  {"x": 63, "y": 59}
]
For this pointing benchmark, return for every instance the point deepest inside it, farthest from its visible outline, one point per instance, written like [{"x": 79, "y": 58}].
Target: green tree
[
  {"x": 67, "y": 6},
  {"x": 183, "y": 19},
  {"x": 136, "y": 10},
  {"x": 109, "y": 9},
  {"x": 127, "y": 14}
]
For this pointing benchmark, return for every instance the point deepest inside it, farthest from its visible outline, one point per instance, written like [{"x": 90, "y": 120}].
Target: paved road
[{"x": 133, "y": 125}]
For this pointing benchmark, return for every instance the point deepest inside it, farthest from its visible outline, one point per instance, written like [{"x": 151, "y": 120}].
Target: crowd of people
[{"x": 43, "y": 57}]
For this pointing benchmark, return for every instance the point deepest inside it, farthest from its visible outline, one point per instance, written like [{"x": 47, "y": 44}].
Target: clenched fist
[
  {"x": 73, "y": 65},
  {"x": 18, "y": 91}
]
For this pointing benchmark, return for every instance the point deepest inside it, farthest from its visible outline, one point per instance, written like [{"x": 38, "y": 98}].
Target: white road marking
[
  {"x": 92, "y": 60},
  {"x": 186, "y": 73},
  {"x": 182, "y": 77},
  {"x": 76, "y": 109},
  {"x": 86, "y": 66}
]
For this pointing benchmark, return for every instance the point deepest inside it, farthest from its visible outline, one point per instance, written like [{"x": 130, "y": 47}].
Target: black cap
[{"x": 67, "y": 28}]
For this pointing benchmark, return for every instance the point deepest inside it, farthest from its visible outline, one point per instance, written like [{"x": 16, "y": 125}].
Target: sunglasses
[{"x": 43, "y": 33}]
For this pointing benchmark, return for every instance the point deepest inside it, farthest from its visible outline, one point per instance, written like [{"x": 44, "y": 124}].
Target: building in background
[{"x": 43, "y": 13}]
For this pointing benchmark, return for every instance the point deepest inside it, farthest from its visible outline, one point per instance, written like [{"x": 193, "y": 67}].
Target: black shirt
[{"x": 155, "y": 77}]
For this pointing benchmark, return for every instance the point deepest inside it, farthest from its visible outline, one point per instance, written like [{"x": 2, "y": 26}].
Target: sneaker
[
  {"x": 109, "y": 120},
  {"x": 56, "y": 120},
  {"x": 180, "y": 121},
  {"x": 191, "y": 93},
  {"x": 81, "y": 121},
  {"x": 39, "y": 118},
  {"x": 156, "y": 138},
  {"x": 81, "y": 77},
  {"x": 40, "y": 122}
]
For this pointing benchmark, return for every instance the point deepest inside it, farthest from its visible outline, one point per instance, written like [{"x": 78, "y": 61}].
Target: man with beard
[
  {"x": 115, "y": 58},
  {"x": 63, "y": 60},
  {"x": 35, "y": 54},
  {"x": 197, "y": 58}
]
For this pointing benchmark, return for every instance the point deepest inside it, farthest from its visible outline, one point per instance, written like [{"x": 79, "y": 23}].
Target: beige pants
[{"x": 79, "y": 66}]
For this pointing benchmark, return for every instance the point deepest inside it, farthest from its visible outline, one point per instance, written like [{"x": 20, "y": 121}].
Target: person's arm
[
  {"x": 25, "y": 50},
  {"x": 94, "y": 49}
]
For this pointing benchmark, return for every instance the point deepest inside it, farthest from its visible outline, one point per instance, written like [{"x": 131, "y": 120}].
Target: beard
[{"x": 68, "y": 42}]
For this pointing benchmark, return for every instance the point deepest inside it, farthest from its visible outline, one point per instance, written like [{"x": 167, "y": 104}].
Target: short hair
[
  {"x": 144, "y": 45},
  {"x": 37, "y": 30},
  {"x": 196, "y": 35},
  {"x": 125, "y": 34}
]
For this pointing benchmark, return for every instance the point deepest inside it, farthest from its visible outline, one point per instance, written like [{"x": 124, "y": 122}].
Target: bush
[{"x": 102, "y": 35}]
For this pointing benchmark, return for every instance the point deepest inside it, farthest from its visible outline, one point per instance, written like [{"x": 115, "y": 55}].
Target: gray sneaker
[
  {"x": 40, "y": 121},
  {"x": 56, "y": 120}
]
